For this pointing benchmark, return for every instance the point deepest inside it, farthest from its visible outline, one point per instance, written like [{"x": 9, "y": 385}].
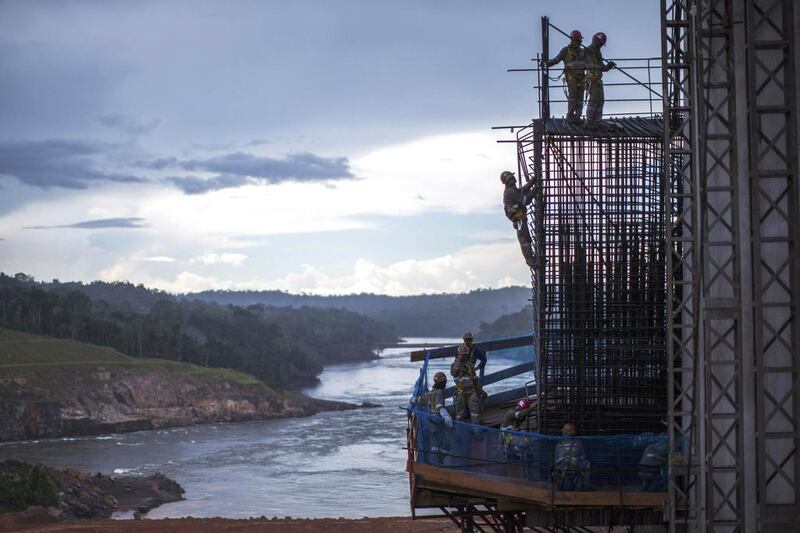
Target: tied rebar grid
[{"x": 601, "y": 229}]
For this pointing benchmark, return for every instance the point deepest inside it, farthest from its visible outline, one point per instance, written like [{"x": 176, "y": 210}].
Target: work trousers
[
  {"x": 575, "y": 87},
  {"x": 594, "y": 109},
  {"x": 468, "y": 399},
  {"x": 438, "y": 443},
  {"x": 525, "y": 244}
]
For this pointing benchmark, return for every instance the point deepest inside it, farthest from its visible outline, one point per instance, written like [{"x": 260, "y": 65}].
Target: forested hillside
[
  {"x": 509, "y": 325},
  {"x": 426, "y": 315},
  {"x": 283, "y": 347}
]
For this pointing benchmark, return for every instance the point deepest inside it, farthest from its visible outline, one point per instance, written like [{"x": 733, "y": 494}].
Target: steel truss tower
[{"x": 730, "y": 71}]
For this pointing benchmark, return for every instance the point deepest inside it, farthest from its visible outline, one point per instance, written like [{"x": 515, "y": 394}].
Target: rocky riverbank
[
  {"x": 69, "y": 494},
  {"x": 113, "y": 398},
  {"x": 55, "y": 388}
]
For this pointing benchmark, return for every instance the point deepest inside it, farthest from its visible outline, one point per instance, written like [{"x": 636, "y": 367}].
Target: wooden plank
[
  {"x": 500, "y": 375},
  {"x": 505, "y": 488},
  {"x": 513, "y": 394},
  {"x": 486, "y": 346}
]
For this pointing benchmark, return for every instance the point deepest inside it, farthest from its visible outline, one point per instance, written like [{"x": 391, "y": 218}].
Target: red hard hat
[
  {"x": 576, "y": 35},
  {"x": 601, "y": 37},
  {"x": 523, "y": 404},
  {"x": 439, "y": 377}
]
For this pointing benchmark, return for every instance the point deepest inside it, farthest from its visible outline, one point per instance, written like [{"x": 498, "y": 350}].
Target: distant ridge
[{"x": 424, "y": 315}]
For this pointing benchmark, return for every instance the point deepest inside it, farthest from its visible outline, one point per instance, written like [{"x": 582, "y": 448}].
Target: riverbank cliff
[{"x": 55, "y": 388}]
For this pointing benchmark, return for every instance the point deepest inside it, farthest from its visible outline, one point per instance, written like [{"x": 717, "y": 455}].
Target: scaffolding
[{"x": 598, "y": 227}]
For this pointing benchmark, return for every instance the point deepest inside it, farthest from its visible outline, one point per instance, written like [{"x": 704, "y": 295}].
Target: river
[{"x": 336, "y": 464}]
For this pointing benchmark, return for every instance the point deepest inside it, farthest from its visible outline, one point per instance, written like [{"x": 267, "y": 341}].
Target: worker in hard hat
[
  {"x": 468, "y": 397},
  {"x": 516, "y": 445},
  {"x": 595, "y": 67},
  {"x": 513, "y": 417},
  {"x": 574, "y": 75},
  {"x": 572, "y": 469},
  {"x": 653, "y": 465},
  {"x": 515, "y": 205},
  {"x": 476, "y": 356},
  {"x": 439, "y": 422}
]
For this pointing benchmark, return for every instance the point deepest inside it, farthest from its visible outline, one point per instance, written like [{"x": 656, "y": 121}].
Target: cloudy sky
[{"x": 313, "y": 145}]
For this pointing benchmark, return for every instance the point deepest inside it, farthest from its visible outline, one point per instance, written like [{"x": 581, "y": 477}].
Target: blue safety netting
[{"x": 633, "y": 462}]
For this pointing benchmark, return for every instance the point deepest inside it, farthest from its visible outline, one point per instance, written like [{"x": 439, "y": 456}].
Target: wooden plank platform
[
  {"x": 486, "y": 346},
  {"x": 500, "y": 488}
]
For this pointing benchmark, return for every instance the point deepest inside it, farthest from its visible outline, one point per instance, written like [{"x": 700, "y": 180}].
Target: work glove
[
  {"x": 611, "y": 64},
  {"x": 448, "y": 420}
]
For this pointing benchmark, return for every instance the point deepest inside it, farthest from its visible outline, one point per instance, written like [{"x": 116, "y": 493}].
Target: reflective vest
[
  {"x": 573, "y": 53},
  {"x": 570, "y": 455},
  {"x": 594, "y": 64}
]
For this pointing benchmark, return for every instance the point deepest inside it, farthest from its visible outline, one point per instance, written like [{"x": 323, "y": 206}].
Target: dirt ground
[{"x": 18, "y": 522}]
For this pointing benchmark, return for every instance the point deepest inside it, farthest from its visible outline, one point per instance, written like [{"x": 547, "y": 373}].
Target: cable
[{"x": 618, "y": 67}]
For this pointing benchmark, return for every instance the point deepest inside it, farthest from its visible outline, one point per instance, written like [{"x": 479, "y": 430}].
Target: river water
[{"x": 336, "y": 464}]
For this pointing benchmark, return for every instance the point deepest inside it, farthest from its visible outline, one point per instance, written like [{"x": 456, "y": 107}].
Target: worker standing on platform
[
  {"x": 476, "y": 355},
  {"x": 515, "y": 205},
  {"x": 595, "y": 67},
  {"x": 574, "y": 75},
  {"x": 571, "y": 470},
  {"x": 468, "y": 397},
  {"x": 438, "y": 437}
]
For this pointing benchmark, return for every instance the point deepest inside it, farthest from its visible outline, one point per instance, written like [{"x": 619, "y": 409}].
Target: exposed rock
[
  {"x": 89, "y": 401},
  {"x": 82, "y": 495}
]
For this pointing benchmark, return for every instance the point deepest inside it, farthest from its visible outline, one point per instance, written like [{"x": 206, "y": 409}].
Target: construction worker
[
  {"x": 515, "y": 204},
  {"x": 468, "y": 391},
  {"x": 437, "y": 437},
  {"x": 595, "y": 66},
  {"x": 513, "y": 418},
  {"x": 476, "y": 355},
  {"x": 515, "y": 446},
  {"x": 653, "y": 465},
  {"x": 571, "y": 470},
  {"x": 574, "y": 75}
]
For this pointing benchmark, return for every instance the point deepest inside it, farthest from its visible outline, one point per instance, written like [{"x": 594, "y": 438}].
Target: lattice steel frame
[
  {"x": 730, "y": 94},
  {"x": 601, "y": 229}
]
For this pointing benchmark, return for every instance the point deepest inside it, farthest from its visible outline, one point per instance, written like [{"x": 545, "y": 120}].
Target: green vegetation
[
  {"x": 509, "y": 325},
  {"x": 425, "y": 315},
  {"x": 283, "y": 347},
  {"x": 23, "y": 485},
  {"x": 20, "y": 350}
]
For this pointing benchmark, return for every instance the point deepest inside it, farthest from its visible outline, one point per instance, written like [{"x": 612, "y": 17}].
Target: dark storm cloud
[
  {"x": 69, "y": 164},
  {"x": 238, "y": 168},
  {"x": 298, "y": 167},
  {"x": 100, "y": 223},
  {"x": 129, "y": 125}
]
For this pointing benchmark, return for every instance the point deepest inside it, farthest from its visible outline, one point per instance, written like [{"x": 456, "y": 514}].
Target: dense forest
[
  {"x": 509, "y": 325},
  {"x": 284, "y": 347},
  {"x": 426, "y": 315}
]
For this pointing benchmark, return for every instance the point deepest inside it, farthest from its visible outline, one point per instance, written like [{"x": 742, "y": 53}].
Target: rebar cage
[{"x": 598, "y": 217}]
